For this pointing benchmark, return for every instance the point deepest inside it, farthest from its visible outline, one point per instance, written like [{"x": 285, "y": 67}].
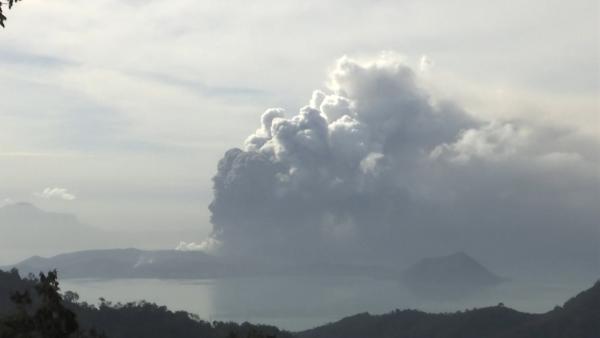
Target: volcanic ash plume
[{"x": 374, "y": 165}]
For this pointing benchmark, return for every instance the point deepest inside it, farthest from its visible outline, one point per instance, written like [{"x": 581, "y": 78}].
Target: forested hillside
[
  {"x": 114, "y": 320},
  {"x": 578, "y": 318}
]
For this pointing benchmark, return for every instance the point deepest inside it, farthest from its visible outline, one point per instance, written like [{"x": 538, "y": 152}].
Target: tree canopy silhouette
[
  {"x": 42, "y": 314},
  {"x": 33, "y": 307},
  {"x": 10, "y": 3}
]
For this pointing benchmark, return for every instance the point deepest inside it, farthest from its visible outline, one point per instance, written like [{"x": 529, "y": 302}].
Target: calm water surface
[{"x": 297, "y": 303}]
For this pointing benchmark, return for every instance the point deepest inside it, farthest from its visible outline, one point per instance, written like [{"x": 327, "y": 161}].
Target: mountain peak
[
  {"x": 455, "y": 272},
  {"x": 456, "y": 259},
  {"x": 20, "y": 205},
  {"x": 20, "y": 208}
]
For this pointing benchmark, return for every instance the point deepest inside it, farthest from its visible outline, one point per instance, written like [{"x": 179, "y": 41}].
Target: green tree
[{"x": 44, "y": 316}]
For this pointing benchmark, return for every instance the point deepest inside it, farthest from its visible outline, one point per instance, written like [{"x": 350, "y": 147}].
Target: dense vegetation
[
  {"x": 578, "y": 318},
  {"x": 69, "y": 318},
  {"x": 36, "y": 309},
  {"x": 41, "y": 315}
]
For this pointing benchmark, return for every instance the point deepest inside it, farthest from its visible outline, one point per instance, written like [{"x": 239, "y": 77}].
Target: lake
[{"x": 297, "y": 303}]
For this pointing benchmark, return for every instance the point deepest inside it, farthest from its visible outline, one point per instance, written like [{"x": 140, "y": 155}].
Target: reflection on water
[{"x": 296, "y": 303}]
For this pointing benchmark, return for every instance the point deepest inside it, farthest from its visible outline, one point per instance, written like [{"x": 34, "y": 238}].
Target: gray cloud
[
  {"x": 200, "y": 87},
  {"x": 375, "y": 168},
  {"x": 12, "y": 57}
]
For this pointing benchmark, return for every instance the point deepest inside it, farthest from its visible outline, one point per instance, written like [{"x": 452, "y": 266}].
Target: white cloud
[
  {"x": 425, "y": 63},
  {"x": 494, "y": 141},
  {"x": 209, "y": 245},
  {"x": 55, "y": 193}
]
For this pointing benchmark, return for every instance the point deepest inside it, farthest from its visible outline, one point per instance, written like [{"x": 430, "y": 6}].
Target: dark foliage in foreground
[
  {"x": 143, "y": 319},
  {"x": 578, "y": 318},
  {"x": 10, "y": 3},
  {"x": 64, "y": 316},
  {"x": 48, "y": 317}
]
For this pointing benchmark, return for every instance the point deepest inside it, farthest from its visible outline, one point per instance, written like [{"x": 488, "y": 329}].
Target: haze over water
[{"x": 297, "y": 303}]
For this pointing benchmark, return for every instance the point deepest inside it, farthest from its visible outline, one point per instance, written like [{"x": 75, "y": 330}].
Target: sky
[{"x": 120, "y": 111}]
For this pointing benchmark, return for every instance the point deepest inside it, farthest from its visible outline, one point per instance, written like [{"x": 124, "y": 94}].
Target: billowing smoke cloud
[{"x": 375, "y": 168}]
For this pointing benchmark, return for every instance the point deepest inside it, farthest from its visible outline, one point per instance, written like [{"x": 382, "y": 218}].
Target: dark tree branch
[{"x": 10, "y": 3}]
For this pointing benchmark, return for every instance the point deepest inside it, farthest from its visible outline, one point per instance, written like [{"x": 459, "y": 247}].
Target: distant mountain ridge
[
  {"x": 129, "y": 263},
  {"x": 27, "y": 209},
  {"x": 457, "y": 268},
  {"x": 577, "y": 318},
  {"x": 26, "y": 228},
  {"x": 452, "y": 276},
  {"x": 456, "y": 271},
  {"x": 174, "y": 264},
  {"x": 31, "y": 217}
]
